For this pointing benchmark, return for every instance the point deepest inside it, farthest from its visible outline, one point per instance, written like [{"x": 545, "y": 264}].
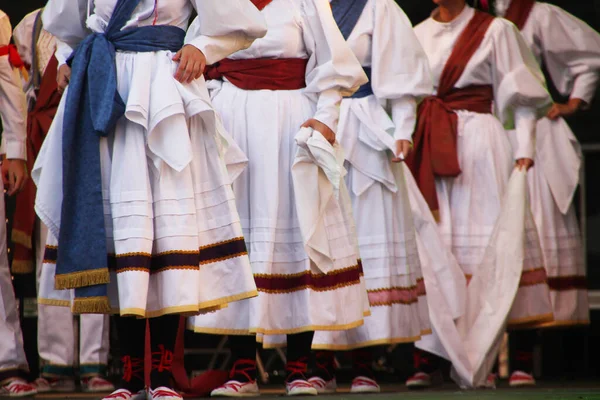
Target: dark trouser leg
[
  {"x": 298, "y": 354},
  {"x": 524, "y": 343},
  {"x": 325, "y": 362},
  {"x": 243, "y": 352},
  {"x": 362, "y": 362},
  {"x": 132, "y": 338},
  {"x": 163, "y": 333},
  {"x": 426, "y": 362}
]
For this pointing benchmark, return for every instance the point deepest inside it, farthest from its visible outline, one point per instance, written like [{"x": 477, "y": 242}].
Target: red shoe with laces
[
  {"x": 521, "y": 379},
  {"x": 363, "y": 384},
  {"x": 241, "y": 384},
  {"x": 17, "y": 388},
  {"x": 163, "y": 393},
  {"x": 124, "y": 394},
  {"x": 296, "y": 383}
]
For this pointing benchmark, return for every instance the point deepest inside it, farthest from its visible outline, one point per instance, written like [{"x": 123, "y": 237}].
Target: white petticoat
[
  {"x": 294, "y": 296},
  {"x": 174, "y": 236},
  {"x": 552, "y": 184},
  {"x": 386, "y": 233},
  {"x": 471, "y": 202}
]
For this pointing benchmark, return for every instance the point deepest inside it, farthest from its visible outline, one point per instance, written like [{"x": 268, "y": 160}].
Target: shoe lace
[
  {"x": 325, "y": 361},
  {"x": 165, "y": 392},
  {"x": 243, "y": 367},
  {"x": 132, "y": 367},
  {"x": 362, "y": 362},
  {"x": 419, "y": 360},
  {"x": 297, "y": 369},
  {"x": 162, "y": 360}
]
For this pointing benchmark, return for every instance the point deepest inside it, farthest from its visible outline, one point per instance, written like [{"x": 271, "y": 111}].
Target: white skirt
[
  {"x": 560, "y": 236},
  {"x": 386, "y": 234},
  {"x": 471, "y": 202},
  {"x": 293, "y": 295},
  {"x": 173, "y": 233}
]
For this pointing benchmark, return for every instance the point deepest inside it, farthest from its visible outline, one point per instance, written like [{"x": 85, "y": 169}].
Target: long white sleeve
[
  {"x": 225, "y": 26},
  {"x": 570, "y": 49},
  {"x": 65, "y": 19},
  {"x": 400, "y": 68},
  {"x": 13, "y": 104},
  {"x": 22, "y": 36},
  {"x": 519, "y": 86},
  {"x": 332, "y": 71}
]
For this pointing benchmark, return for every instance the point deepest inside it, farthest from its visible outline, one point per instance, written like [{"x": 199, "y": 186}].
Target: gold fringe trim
[
  {"x": 22, "y": 267},
  {"x": 530, "y": 322},
  {"x": 186, "y": 310},
  {"x": 292, "y": 331},
  {"x": 254, "y": 331},
  {"x": 559, "y": 324},
  {"x": 54, "y": 302},
  {"x": 210, "y": 246},
  {"x": 21, "y": 238},
  {"x": 91, "y": 305},
  {"x": 311, "y": 287},
  {"x": 369, "y": 343},
  {"x": 79, "y": 279},
  {"x": 224, "y": 258}
]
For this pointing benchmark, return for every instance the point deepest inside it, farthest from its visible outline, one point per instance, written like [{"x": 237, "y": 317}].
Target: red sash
[
  {"x": 13, "y": 55},
  {"x": 261, "y": 73},
  {"x": 435, "y": 152},
  {"x": 518, "y": 12},
  {"x": 38, "y": 124},
  {"x": 260, "y": 4}
]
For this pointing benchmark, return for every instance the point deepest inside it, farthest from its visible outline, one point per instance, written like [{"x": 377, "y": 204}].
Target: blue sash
[
  {"x": 93, "y": 106},
  {"x": 346, "y": 14}
]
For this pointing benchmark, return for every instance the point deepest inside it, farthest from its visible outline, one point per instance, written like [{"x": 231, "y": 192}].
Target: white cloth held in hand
[{"x": 322, "y": 201}]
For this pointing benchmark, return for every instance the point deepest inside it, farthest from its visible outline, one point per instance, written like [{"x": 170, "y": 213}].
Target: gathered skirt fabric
[
  {"x": 294, "y": 296},
  {"x": 174, "y": 236},
  {"x": 470, "y": 204},
  {"x": 386, "y": 234},
  {"x": 560, "y": 236}
]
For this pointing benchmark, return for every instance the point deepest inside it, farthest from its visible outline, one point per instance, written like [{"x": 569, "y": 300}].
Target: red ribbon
[{"x": 13, "y": 55}]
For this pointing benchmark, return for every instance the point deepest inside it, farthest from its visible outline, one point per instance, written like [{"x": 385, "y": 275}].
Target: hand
[
  {"x": 62, "y": 78},
  {"x": 4, "y": 169},
  {"x": 191, "y": 64},
  {"x": 17, "y": 176},
  {"x": 565, "y": 110},
  {"x": 322, "y": 128},
  {"x": 403, "y": 148},
  {"x": 524, "y": 163}
]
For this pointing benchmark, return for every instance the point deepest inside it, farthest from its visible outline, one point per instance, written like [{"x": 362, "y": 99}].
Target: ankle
[
  {"x": 325, "y": 365},
  {"x": 243, "y": 370},
  {"x": 296, "y": 369}
]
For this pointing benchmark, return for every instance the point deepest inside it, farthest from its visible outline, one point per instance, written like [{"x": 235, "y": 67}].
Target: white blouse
[
  {"x": 221, "y": 28},
  {"x": 504, "y": 61},
  {"x": 23, "y": 37},
  {"x": 569, "y": 48},
  {"x": 13, "y": 104},
  {"x": 306, "y": 29},
  {"x": 384, "y": 40}
]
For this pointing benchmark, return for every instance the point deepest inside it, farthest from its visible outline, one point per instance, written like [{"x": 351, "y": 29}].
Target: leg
[
  {"x": 522, "y": 361},
  {"x": 242, "y": 380},
  {"x": 323, "y": 378},
  {"x": 163, "y": 333},
  {"x": 298, "y": 354},
  {"x": 132, "y": 333},
  {"x": 93, "y": 352},
  {"x": 56, "y": 347},
  {"x": 427, "y": 366},
  {"x": 13, "y": 364},
  {"x": 364, "y": 378}
]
